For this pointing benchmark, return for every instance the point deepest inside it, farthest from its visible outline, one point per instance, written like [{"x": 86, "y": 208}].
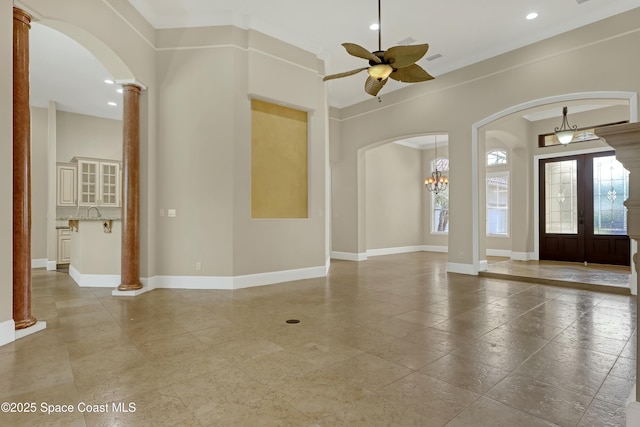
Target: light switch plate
[{"x": 171, "y": 213}]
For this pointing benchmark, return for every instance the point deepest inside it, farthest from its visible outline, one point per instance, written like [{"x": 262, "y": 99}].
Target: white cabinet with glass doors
[{"x": 98, "y": 182}]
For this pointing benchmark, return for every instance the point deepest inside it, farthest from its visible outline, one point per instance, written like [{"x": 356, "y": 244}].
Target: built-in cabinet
[
  {"x": 64, "y": 246},
  {"x": 98, "y": 182},
  {"x": 66, "y": 184}
]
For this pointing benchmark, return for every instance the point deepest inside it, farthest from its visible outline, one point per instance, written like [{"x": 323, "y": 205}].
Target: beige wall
[
  {"x": 6, "y": 162},
  {"x": 394, "y": 193},
  {"x": 79, "y": 135},
  {"x": 195, "y": 160},
  {"x": 39, "y": 182},
  {"x": 455, "y": 101}
]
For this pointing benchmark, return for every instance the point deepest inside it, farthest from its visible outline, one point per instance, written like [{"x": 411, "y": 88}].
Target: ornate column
[
  {"x": 625, "y": 139},
  {"x": 21, "y": 173},
  {"x": 130, "y": 261}
]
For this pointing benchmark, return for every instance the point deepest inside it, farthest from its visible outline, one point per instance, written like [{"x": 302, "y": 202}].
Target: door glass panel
[
  {"x": 561, "y": 185},
  {"x": 610, "y": 190}
]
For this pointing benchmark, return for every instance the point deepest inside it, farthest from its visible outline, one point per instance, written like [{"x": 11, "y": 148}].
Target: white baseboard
[
  {"x": 522, "y": 256},
  {"x": 633, "y": 409},
  {"x": 190, "y": 282},
  {"x": 393, "y": 251},
  {"x": 94, "y": 280},
  {"x": 506, "y": 253},
  {"x": 52, "y": 265},
  {"x": 7, "y": 332},
  {"x": 433, "y": 248},
  {"x": 349, "y": 256},
  {"x": 226, "y": 282},
  {"x": 270, "y": 278},
  {"x": 454, "y": 267},
  {"x": 39, "y": 263}
]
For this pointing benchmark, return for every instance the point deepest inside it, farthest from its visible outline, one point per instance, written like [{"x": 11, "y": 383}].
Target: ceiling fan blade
[
  {"x": 360, "y": 52},
  {"x": 411, "y": 74},
  {"x": 403, "y": 56},
  {"x": 372, "y": 86},
  {"x": 345, "y": 74}
]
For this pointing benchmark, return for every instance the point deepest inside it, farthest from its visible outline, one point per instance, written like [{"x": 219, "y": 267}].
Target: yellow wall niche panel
[{"x": 279, "y": 162}]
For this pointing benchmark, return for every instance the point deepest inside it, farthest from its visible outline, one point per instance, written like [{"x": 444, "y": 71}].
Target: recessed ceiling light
[
  {"x": 374, "y": 26},
  {"x": 109, "y": 81},
  {"x": 532, "y": 15},
  {"x": 113, "y": 104}
]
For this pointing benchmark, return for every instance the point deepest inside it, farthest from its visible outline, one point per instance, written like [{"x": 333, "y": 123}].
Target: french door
[{"x": 582, "y": 216}]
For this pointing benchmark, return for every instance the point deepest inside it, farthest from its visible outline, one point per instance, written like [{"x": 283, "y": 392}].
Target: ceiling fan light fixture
[{"x": 380, "y": 71}]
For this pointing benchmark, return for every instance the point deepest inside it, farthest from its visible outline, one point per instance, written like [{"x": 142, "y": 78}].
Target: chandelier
[
  {"x": 436, "y": 183},
  {"x": 565, "y": 132}
]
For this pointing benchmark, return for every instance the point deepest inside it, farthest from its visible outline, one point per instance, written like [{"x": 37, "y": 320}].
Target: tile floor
[{"x": 393, "y": 341}]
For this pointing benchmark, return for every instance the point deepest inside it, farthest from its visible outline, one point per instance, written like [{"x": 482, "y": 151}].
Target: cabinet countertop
[{"x": 84, "y": 218}]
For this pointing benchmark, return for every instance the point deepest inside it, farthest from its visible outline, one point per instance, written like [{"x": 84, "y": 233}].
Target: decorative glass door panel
[
  {"x": 610, "y": 190},
  {"x": 561, "y": 181}
]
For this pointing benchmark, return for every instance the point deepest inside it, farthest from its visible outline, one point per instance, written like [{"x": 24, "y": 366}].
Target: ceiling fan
[{"x": 398, "y": 63}]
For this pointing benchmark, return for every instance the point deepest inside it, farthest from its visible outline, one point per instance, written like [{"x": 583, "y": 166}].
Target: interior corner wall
[
  {"x": 457, "y": 100},
  {"x": 204, "y": 153},
  {"x": 394, "y": 194},
  {"x": 6, "y": 167},
  {"x": 272, "y": 245}
]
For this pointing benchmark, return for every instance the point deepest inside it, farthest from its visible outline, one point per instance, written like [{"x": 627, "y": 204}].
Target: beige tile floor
[{"x": 393, "y": 341}]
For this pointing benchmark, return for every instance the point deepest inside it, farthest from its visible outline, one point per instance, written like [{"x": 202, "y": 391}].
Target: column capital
[
  {"x": 21, "y": 15},
  {"x": 132, "y": 82}
]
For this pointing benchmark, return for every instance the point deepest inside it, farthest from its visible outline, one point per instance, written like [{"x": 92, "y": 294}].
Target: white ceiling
[{"x": 463, "y": 32}]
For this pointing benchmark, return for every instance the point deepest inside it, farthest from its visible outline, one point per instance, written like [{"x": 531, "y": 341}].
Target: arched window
[
  {"x": 498, "y": 204},
  {"x": 496, "y": 157},
  {"x": 440, "y": 201}
]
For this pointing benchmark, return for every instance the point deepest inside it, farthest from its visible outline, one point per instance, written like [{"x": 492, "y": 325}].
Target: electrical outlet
[
  {"x": 198, "y": 266},
  {"x": 461, "y": 255}
]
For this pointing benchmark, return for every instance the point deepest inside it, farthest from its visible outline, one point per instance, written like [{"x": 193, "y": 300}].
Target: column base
[
  {"x": 130, "y": 286},
  {"x": 25, "y": 323},
  {"x": 130, "y": 291}
]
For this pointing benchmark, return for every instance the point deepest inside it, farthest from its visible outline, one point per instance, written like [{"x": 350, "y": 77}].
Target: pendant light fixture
[
  {"x": 436, "y": 183},
  {"x": 565, "y": 132}
]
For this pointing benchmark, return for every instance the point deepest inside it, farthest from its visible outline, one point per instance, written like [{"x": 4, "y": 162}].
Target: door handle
[{"x": 581, "y": 217}]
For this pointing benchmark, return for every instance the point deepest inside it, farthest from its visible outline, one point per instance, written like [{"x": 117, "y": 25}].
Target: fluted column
[
  {"x": 626, "y": 141},
  {"x": 21, "y": 173},
  {"x": 130, "y": 261}
]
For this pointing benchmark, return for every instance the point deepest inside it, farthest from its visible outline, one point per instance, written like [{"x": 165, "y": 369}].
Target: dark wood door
[{"x": 582, "y": 217}]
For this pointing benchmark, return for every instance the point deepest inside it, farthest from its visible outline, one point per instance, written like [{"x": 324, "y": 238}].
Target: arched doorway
[{"x": 478, "y": 249}]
